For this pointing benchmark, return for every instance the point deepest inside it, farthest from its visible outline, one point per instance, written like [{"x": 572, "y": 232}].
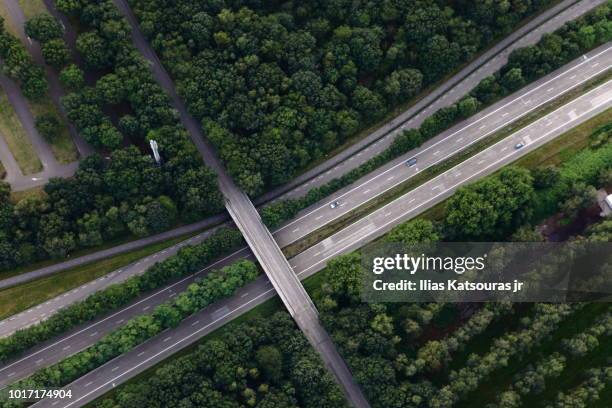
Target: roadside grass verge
[
  {"x": 18, "y": 298},
  {"x": 10, "y": 27},
  {"x": 62, "y": 145},
  {"x": 32, "y": 8},
  {"x": 17, "y": 139}
]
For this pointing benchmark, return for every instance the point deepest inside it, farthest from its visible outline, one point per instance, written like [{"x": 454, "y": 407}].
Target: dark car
[{"x": 411, "y": 162}]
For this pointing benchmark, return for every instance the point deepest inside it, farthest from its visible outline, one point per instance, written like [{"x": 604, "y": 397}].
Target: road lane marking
[
  {"x": 478, "y": 172},
  {"x": 488, "y": 115}
]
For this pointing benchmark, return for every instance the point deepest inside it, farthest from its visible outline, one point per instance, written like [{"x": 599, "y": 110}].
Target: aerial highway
[
  {"x": 78, "y": 339},
  {"x": 448, "y": 92},
  {"x": 120, "y": 369},
  {"x": 258, "y": 237},
  {"x": 372, "y": 185}
]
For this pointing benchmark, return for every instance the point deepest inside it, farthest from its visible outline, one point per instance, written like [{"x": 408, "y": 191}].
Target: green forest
[
  {"x": 277, "y": 85},
  {"x": 435, "y": 355}
]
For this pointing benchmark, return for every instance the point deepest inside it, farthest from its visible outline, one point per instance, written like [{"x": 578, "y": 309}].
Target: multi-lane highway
[
  {"x": 334, "y": 215},
  {"x": 447, "y": 93},
  {"x": 372, "y": 185},
  {"x": 256, "y": 234},
  {"x": 444, "y": 95},
  {"x": 355, "y": 235}
]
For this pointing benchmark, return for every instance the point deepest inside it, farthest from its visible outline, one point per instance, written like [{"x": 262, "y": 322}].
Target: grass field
[
  {"x": 8, "y": 24},
  {"x": 18, "y": 298},
  {"x": 32, "y": 8},
  {"x": 17, "y": 139},
  {"x": 62, "y": 146}
]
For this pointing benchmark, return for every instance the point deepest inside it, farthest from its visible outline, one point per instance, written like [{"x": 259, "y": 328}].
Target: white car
[
  {"x": 518, "y": 145},
  {"x": 334, "y": 204}
]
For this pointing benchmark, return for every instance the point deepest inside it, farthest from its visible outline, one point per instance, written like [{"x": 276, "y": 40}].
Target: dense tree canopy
[
  {"x": 280, "y": 84},
  {"x": 119, "y": 111}
]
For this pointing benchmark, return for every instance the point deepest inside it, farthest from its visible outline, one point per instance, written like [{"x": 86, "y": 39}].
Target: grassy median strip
[
  {"x": 216, "y": 285},
  {"x": 62, "y": 146},
  {"x": 32, "y": 8},
  {"x": 17, "y": 139},
  {"x": 458, "y": 158},
  {"x": 189, "y": 260},
  {"x": 18, "y": 298}
]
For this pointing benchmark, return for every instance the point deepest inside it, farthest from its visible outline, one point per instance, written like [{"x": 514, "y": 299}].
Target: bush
[{"x": 48, "y": 126}]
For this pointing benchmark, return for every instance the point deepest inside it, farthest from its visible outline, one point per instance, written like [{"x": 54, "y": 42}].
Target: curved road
[
  {"x": 126, "y": 366},
  {"x": 86, "y": 335},
  {"x": 447, "y": 93}
]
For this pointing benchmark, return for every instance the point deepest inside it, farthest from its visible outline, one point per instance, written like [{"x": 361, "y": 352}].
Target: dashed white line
[
  {"x": 195, "y": 323},
  {"x": 93, "y": 334}
]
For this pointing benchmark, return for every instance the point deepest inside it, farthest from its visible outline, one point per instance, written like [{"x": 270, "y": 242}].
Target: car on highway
[
  {"x": 519, "y": 145},
  {"x": 411, "y": 162},
  {"x": 334, "y": 204}
]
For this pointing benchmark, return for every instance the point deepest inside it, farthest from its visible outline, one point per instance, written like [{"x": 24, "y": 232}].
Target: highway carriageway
[
  {"x": 144, "y": 356},
  {"x": 78, "y": 339},
  {"x": 371, "y": 186},
  {"x": 443, "y": 95}
]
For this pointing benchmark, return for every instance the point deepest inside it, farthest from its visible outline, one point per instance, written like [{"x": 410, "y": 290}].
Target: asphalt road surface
[
  {"x": 56, "y": 90},
  {"x": 51, "y": 167},
  {"x": 370, "y": 186},
  {"x": 259, "y": 239},
  {"x": 126, "y": 366},
  {"x": 445, "y": 94}
]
